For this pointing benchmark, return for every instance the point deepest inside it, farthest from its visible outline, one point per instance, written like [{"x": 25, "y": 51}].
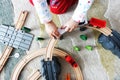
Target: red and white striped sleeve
[{"x": 80, "y": 12}]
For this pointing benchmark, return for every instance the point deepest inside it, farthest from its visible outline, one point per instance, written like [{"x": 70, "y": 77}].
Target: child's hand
[
  {"x": 52, "y": 30},
  {"x": 70, "y": 25}
]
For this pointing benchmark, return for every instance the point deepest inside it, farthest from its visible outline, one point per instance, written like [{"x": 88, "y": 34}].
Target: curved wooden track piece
[
  {"x": 35, "y": 76},
  {"x": 106, "y": 31},
  {"x": 26, "y": 59},
  {"x": 49, "y": 49},
  {"x": 8, "y": 49}
]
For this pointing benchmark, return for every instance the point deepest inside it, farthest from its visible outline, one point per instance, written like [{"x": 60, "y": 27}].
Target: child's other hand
[
  {"x": 52, "y": 30},
  {"x": 70, "y": 25}
]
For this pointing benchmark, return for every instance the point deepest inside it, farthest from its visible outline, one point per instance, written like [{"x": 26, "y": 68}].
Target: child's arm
[
  {"x": 43, "y": 11},
  {"x": 45, "y": 17},
  {"x": 79, "y": 15},
  {"x": 81, "y": 11}
]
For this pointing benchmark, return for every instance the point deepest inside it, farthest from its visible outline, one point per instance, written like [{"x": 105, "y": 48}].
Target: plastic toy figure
[{"x": 60, "y": 7}]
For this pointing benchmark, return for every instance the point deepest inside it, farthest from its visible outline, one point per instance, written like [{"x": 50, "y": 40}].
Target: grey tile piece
[
  {"x": 11, "y": 28},
  {"x": 15, "y": 33},
  {"x": 24, "y": 45},
  {"x": 26, "y": 41},
  {"x": 13, "y": 37},
  {"x": 22, "y": 48},
  {"x": 10, "y": 44},
  {"x": 3, "y": 26},
  {"x": 16, "y": 42},
  {"x": 18, "y": 39},
  {"x": 27, "y": 38},
  {"x": 11, "y": 41},
  {"x": 15, "y": 46},
  {"x": 8, "y": 36},
  {"x": 2, "y": 33},
  {"x": 3, "y": 29},
  {"x": 1, "y": 41},
  {"x": 21, "y": 31},
  {"x": 29, "y": 35},
  {"x": 7, "y": 39},
  {"x": 10, "y": 32},
  {"x": 1, "y": 37},
  {"x": 19, "y": 35},
  {"x": 5, "y": 43}
]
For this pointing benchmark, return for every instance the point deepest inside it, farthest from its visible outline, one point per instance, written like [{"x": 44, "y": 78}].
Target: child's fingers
[
  {"x": 51, "y": 36},
  {"x": 70, "y": 29},
  {"x": 54, "y": 35},
  {"x": 63, "y": 27},
  {"x": 58, "y": 34},
  {"x": 67, "y": 29}
]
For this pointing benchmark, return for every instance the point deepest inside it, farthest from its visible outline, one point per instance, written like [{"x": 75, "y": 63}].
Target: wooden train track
[
  {"x": 106, "y": 31},
  {"x": 35, "y": 76},
  {"x": 49, "y": 49},
  {"x": 7, "y": 51},
  {"x": 26, "y": 59}
]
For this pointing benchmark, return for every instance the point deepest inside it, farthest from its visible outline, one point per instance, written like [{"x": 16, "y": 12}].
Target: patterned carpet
[{"x": 99, "y": 64}]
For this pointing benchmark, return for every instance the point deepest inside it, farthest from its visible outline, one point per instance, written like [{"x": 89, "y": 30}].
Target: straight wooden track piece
[{"x": 7, "y": 51}]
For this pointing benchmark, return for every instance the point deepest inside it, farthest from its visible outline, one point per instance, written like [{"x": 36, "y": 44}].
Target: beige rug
[{"x": 98, "y": 64}]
